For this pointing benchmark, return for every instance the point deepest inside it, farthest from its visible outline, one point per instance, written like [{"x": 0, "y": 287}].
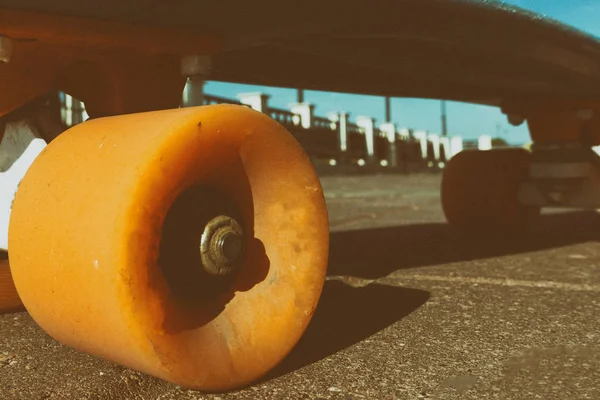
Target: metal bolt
[
  {"x": 222, "y": 247},
  {"x": 6, "y": 49},
  {"x": 196, "y": 65}
]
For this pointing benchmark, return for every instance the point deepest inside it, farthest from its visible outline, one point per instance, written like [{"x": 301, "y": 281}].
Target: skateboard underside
[{"x": 473, "y": 51}]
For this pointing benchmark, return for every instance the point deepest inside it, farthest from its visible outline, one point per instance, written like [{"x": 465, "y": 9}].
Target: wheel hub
[{"x": 222, "y": 246}]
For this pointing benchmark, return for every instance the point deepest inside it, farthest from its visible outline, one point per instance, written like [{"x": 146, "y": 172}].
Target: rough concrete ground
[{"x": 410, "y": 311}]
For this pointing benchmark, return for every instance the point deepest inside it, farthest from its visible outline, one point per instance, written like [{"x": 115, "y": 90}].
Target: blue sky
[{"x": 467, "y": 120}]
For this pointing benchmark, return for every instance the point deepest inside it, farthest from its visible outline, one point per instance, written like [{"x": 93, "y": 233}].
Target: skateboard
[{"x": 191, "y": 243}]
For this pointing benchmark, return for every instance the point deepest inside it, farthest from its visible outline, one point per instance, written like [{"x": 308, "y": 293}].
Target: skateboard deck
[{"x": 473, "y": 51}]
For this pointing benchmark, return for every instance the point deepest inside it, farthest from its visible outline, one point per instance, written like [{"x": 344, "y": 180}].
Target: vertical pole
[
  {"x": 388, "y": 109},
  {"x": 343, "y": 137},
  {"x": 300, "y": 96},
  {"x": 444, "y": 118},
  {"x": 368, "y": 125},
  {"x": 389, "y": 128}
]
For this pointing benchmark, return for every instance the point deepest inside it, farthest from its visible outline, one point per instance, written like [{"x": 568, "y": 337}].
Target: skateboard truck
[
  {"x": 562, "y": 175},
  {"x": 564, "y": 170},
  {"x": 24, "y": 133},
  {"x": 21, "y": 144}
]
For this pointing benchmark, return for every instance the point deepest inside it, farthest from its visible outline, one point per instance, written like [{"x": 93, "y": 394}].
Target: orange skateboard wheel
[
  {"x": 9, "y": 298},
  {"x": 119, "y": 209},
  {"x": 480, "y": 192}
]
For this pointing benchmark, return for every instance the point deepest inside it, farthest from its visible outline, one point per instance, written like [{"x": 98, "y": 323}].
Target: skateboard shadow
[
  {"x": 347, "y": 315},
  {"x": 373, "y": 253}
]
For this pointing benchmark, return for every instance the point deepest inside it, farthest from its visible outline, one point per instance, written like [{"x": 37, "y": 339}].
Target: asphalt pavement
[{"x": 410, "y": 310}]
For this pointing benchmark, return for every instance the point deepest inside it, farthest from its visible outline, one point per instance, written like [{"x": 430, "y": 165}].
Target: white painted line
[{"x": 575, "y": 287}]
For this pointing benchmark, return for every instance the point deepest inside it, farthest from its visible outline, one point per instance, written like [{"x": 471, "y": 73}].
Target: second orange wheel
[
  {"x": 189, "y": 244},
  {"x": 9, "y": 298}
]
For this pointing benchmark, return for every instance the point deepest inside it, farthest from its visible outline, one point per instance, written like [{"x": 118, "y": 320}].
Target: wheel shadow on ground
[
  {"x": 374, "y": 253},
  {"x": 347, "y": 315}
]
